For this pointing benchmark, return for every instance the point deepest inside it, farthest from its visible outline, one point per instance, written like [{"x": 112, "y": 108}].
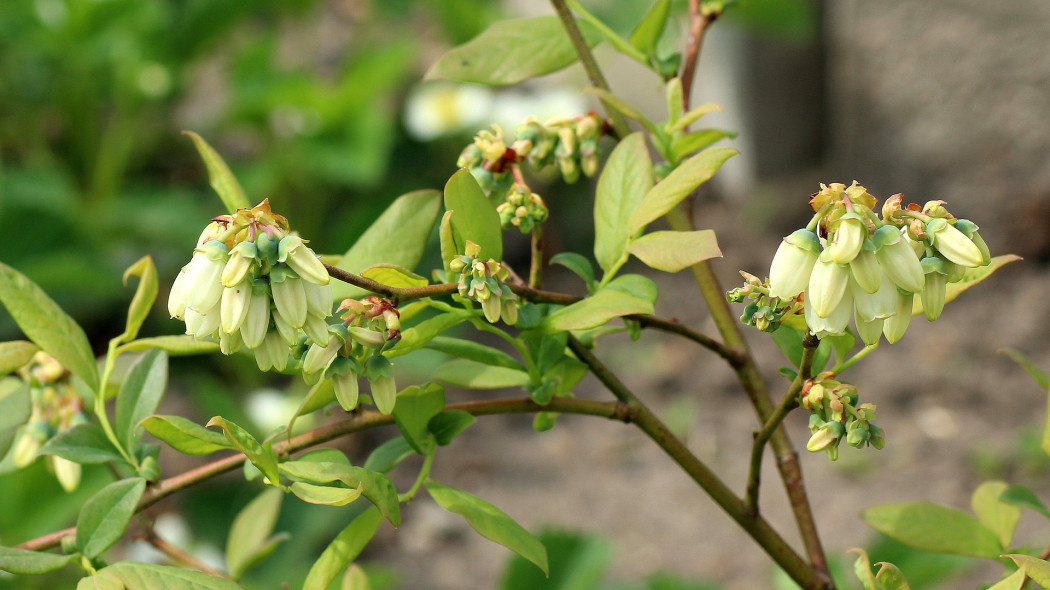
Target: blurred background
[{"x": 318, "y": 106}]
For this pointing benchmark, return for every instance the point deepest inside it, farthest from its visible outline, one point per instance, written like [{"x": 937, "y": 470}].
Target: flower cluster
[
  {"x": 56, "y": 407},
  {"x": 850, "y": 263},
  {"x": 523, "y": 209},
  {"x": 482, "y": 281},
  {"x": 834, "y": 413},
  {"x": 253, "y": 283}
]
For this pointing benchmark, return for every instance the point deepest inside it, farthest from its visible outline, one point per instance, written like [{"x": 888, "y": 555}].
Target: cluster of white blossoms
[
  {"x": 251, "y": 283},
  {"x": 850, "y": 263}
]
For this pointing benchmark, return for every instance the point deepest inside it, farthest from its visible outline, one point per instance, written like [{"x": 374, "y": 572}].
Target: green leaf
[
  {"x": 624, "y": 182},
  {"x": 186, "y": 436},
  {"x": 578, "y": 264},
  {"x": 1038, "y": 375},
  {"x": 1022, "y": 496},
  {"x": 678, "y": 185},
  {"x": 473, "y": 216},
  {"x": 651, "y": 28},
  {"x": 577, "y": 562},
  {"x": 789, "y": 341},
  {"x": 1014, "y": 581},
  {"x": 862, "y": 569},
  {"x": 374, "y": 486},
  {"x": 971, "y": 277},
  {"x": 415, "y": 407},
  {"x": 15, "y": 354},
  {"x": 615, "y": 102},
  {"x": 694, "y": 115},
  {"x": 474, "y": 375},
  {"x": 325, "y": 495},
  {"x": 992, "y": 512},
  {"x": 932, "y": 527},
  {"x": 490, "y": 522},
  {"x": 102, "y": 580},
  {"x": 106, "y": 515},
  {"x": 321, "y": 395},
  {"x": 447, "y": 425},
  {"x": 1037, "y": 569},
  {"x": 137, "y": 575},
  {"x": 891, "y": 578},
  {"x": 468, "y": 349},
  {"x": 219, "y": 176},
  {"x": 698, "y": 140},
  {"x": 420, "y": 334},
  {"x": 607, "y": 303},
  {"x": 345, "y": 548},
  {"x": 145, "y": 295},
  {"x": 671, "y": 251},
  {"x": 140, "y": 394},
  {"x": 387, "y": 455},
  {"x": 180, "y": 345},
  {"x": 83, "y": 443},
  {"x": 394, "y": 276},
  {"x": 251, "y": 530},
  {"x": 15, "y": 409},
  {"x": 611, "y": 36},
  {"x": 31, "y": 563},
  {"x": 44, "y": 322},
  {"x": 547, "y": 350},
  {"x": 263, "y": 458},
  {"x": 511, "y": 51},
  {"x": 410, "y": 217},
  {"x": 673, "y": 97}
]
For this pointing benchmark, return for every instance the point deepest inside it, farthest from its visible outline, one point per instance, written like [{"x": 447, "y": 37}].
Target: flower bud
[
  {"x": 176, "y": 298},
  {"x": 289, "y": 334},
  {"x": 866, "y": 270},
  {"x": 230, "y": 343},
  {"x": 347, "y": 390},
  {"x": 380, "y": 374},
  {"x": 827, "y": 285},
  {"x": 316, "y": 329},
  {"x": 897, "y": 259},
  {"x": 793, "y": 263},
  {"x": 241, "y": 259},
  {"x": 897, "y": 324},
  {"x": 857, "y": 435},
  {"x": 294, "y": 252},
  {"x": 934, "y": 291},
  {"x": 369, "y": 338},
  {"x": 289, "y": 295},
  {"x": 200, "y": 325},
  {"x": 203, "y": 282},
  {"x": 31, "y": 437},
  {"x": 953, "y": 244},
  {"x": 318, "y": 299},
  {"x": 234, "y": 306},
  {"x": 849, "y": 238},
  {"x": 509, "y": 310},
  {"x": 318, "y": 357},
  {"x": 969, "y": 229},
  {"x": 869, "y": 331},
  {"x": 257, "y": 321},
  {"x": 491, "y": 306}
]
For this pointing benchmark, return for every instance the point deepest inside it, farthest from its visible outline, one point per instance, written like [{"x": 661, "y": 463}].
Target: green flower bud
[
  {"x": 570, "y": 170},
  {"x": 316, "y": 329},
  {"x": 30, "y": 438},
  {"x": 294, "y": 252},
  {"x": 367, "y": 337},
  {"x": 897, "y": 324},
  {"x": 257, "y": 321},
  {"x": 318, "y": 358},
  {"x": 509, "y": 311},
  {"x": 492, "y": 307},
  {"x": 848, "y": 239},
  {"x": 289, "y": 295},
  {"x": 876, "y": 436},
  {"x": 380, "y": 374},
  {"x": 935, "y": 289},
  {"x": 969, "y": 229},
  {"x": 897, "y": 259},
  {"x": 241, "y": 259},
  {"x": 272, "y": 353},
  {"x": 793, "y": 263},
  {"x": 953, "y": 244},
  {"x": 866, "y": 270},
  {"x": 289, "y": 334},
  {"x": 869, "y": 331},
  {"x": 347, "y": 390},
  {"x": 234, "y": 306},
  {"x": 857, "y": 435},
  {"x": 66, "y": 472},
  {"x": 149, "y": 469},
  {"x": 827, "y": 285}
]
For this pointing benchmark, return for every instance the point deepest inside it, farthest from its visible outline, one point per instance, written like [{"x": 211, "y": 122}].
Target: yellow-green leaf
[
  {"x": 145, "y": 295},
  {"x": 624, "y": 182},
  {"x": 678, "y": 185},
  {"x": 219, "y": 176},
  {"x": 394, "y": 276},
  {"x": 671, "y": 251},
  {"x": 970, "y": 278},
  {"x": 992, "y": 512},
  {"x": 1037, "y": 569}
]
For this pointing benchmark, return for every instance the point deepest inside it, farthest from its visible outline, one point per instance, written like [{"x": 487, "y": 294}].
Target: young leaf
[
  {"x": 1023, "y": 497},
  {"x": 932, "y": 527},
  {"x": 992, "y": 512},
  {"x": 420, "y": 334},
  {"x": 511, "y": 51},
  {"x": 321, "y": 395},
  {"x": 387, "y": 455},
  {"x": 891, "y": 578},
  {"x": 671, "y": 251},
  {"x": 627, "y": 177},
  {"x": 101, "y": 580},
  {"x": 163, "y": 577},
  {"x": 970, "y": 278},
  {"x": 176, "y": 345},
  {"x": 140, "y": 394},
  {"x": 219, "y": 176},
  {"x": 375, "y": 486},
  {"x": 698, "y": 140},
  {"x": 44, "y": 322},
  {"x": 105, "y": 515},
  {"x": 15, "y": 354},
  {"x": 83, "y": 443},
  {"x": 145, "y": 295},
  {"x": 343, "y": 550},
  {"x": 410, "y": 217},
  {"x": 325, "y": 495},
  {"x": 186, "y": 436},
  {"x": 394, "y": 276},
  {"x": 862, "y": 569},
  {"x": 251, "y": 531},
  {"x": 473, "y": 216},
  {"x": 1037, "y": 569},
  {"x": 447, "y": 240},
  {"x": 1038, "y": 375},
  {"x": 415, "y": 407},
  {"x": 693, "y": 116},
  {"x": 491, "y": 522},
  {"x": 1014, "y": 581},
  {"x": 547, "y": 350},
  {"x": 263, "y": 458},
  {"x": 609, "y": 302},
  {"x": 651, "y": 28},
  {"x": 15, "y": 409},
  {"x": 677, "y": 186},
  {"x": 578, "y": 264},
  {"x": 31, "y": 563},
  {"x": 474, "y": 375},
  {"x": 446, "y": 425},
  {"x": 673, "y": 96},
  {"x": 615, "y": 102},
  {"x": 468, "y": 349}
]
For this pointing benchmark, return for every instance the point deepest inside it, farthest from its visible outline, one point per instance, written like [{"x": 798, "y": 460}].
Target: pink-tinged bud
[
  {"x": 827, "y": 285},
  {"x": 953, "y": 244},
  {"x": 869, "y": 331},
  {"x": 234, "y": 306},
  {"x": 792, "y": 264},
  {"x": 897, "y": 324},
  {"x": 891, "y": 206},
  {"x": 176, "y": 298},
  {"x": 242, "y": 257},
  {"x": 875, "y": 306},
  {"x": 203, "y": 282},
  {"x": 848, "y": 239},
  {"x": 66, "y": 472},
  {"x": 293, "y": 252},
  {"x": 897, "y": 259},
  {"x": 257, "y": 321},
  {"x": 934, "y": 291},
  {"x": 289, "y": 295},
  {"x": 836, "y": 322}
]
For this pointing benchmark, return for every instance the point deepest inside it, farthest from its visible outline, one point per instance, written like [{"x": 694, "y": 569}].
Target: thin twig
[
  {"x": 150, "y": 536},
  {"x": 698, "y": 23}
]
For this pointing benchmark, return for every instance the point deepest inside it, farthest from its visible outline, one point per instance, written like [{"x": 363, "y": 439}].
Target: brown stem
[
  {"x": 150, "y": 536},
  {"x": 698, "y": 23}
]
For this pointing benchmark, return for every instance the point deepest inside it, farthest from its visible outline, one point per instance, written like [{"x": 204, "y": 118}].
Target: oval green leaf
[
  {"x": 672, "y": 251},
  {"x": 394, "y": 276},
  {"x": 375, "y": 486},
  {"x": 474, "y": 375},
  {"x": 1014, "y": 581},
  {"x": 420, "y": 334},
  {"x": 387, "y": 455},
  {"x": 489, "y": 521},
  {"x": 446, "y": 425},
  {"x": 578, "y": 264},
  {"x": 678, "y": 185},
  {"x": 325, "y": 495},
  {"x": 136, "y": 575},
  {"x": 1033, "y": 567},
  {"x": 263, "y": 458},
  {"x": 473, "y": 216},
  {"x": 140, "y": 394},
  {"x": 15, "y": 409},
  {"x": 623, "y": 184},
  {"x": 186, "y": 436},
  {"x": 83, "y": 443},
  {"x": 175, "y": 345},
  {"x": 251, "y": 530},
  {"x": 345, "y": 548},
  {"x": 145, "y": 295},
  {"x": 106, "y": 515},
  {"x": 415, "y": 407},
  {"x": 932, "y": 527},
  {"x": 698, "y": 140},
  {"x": 609, "y": 302},
  {"x": 468, "y": 349},
  {"x": 31, "y": 563},
  {"x": 1000, "y": 517}
]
